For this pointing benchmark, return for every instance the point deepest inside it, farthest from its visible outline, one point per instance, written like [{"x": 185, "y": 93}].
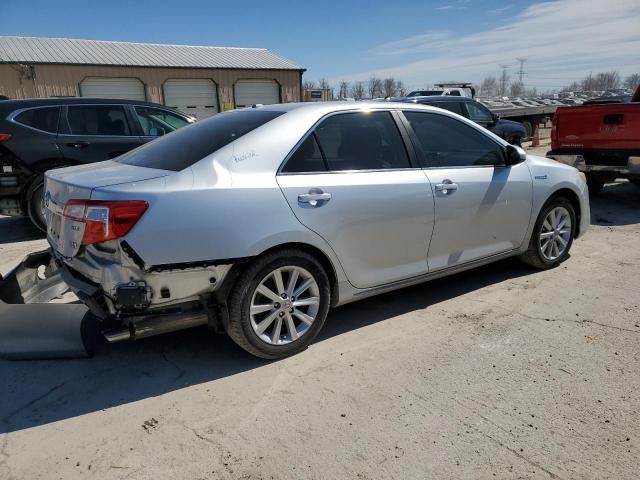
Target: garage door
[
  {"x": 249, "y": 92},
  {"x": 191, "y": 96},
  {"x": 129, "y": 88}
]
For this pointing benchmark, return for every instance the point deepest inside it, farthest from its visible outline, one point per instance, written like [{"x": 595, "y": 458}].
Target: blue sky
[{"x": 418, "y": 42}]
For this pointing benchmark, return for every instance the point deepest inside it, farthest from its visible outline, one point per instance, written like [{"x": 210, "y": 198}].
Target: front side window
[
  {"x": 188, "y": 145},
  {"x": 477, "y": 113},
  {"x": 45, "y": 119},
  {"x": 446, "y": 142},
  {"x": 97, "y": 120},
  {"x": 361, "y": 141},
  {"x": 156, "y": 122}
]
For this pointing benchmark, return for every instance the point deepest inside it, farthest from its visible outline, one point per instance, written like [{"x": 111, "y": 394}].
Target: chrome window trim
[
  {"x": 12, "y": 117},
  {"x": 342, "y": 112}
]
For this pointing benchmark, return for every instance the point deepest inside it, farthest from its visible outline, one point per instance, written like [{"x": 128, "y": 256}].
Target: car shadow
[
  {"x": 617, "y": 204},
  {"x": 41, "y": 392},
  {"x": 18, "y": 229}
]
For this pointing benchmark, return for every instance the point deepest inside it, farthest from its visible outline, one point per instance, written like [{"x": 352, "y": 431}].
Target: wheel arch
[{"x": 320, "y": 256}]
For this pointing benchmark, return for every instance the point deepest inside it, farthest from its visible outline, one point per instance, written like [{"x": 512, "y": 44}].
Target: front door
[
  {"x": 351, "y": 182},
  {"x": 92, "y": 133},
  {"x": 482, "y": 207}
]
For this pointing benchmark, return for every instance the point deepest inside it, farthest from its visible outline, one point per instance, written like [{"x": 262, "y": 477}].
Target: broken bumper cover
[{"x": 31, "y": 328}]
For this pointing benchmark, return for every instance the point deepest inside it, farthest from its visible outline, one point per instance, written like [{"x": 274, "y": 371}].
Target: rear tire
[
  {"x": 552, "y": 235},
  {"x": 271, "y": 313},
  {"x": 35, "y": 205}
]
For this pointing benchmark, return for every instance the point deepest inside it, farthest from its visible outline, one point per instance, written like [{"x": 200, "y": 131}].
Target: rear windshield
[{"x": 186, "y": 146}]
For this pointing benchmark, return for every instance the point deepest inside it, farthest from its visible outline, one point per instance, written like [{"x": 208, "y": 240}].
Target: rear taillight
[
  {"x": 4, "y": 137},
  {"x": 105, "y": 220}
]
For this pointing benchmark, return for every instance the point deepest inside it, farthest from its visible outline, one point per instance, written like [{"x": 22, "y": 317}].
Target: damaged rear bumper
[{"x": 31, "y": 328}]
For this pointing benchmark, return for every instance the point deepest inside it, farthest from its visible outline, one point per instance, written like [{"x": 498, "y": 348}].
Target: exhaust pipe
[{"x": 156, "y": 325}]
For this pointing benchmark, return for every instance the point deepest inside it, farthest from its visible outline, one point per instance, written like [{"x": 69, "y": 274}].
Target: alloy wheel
[
  {"x": 284, "y": 305},
  {"x": 555, "y": 233}
]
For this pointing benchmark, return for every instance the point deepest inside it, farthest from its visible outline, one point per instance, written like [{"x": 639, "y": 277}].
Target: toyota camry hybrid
[{"x": 258, "y": 221}]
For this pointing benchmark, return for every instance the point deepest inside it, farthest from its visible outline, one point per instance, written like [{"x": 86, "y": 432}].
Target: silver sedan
[{"x": 258, "y": 221}]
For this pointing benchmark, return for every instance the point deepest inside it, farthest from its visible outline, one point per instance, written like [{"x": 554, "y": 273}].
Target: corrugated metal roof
[{"x": 99, "y": 52}]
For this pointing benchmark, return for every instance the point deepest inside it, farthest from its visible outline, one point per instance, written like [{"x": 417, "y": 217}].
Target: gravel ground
[{"x": 501, "y": 372}]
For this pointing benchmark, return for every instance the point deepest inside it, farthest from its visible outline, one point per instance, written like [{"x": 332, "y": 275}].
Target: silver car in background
[{"x": 258, "y": 221}]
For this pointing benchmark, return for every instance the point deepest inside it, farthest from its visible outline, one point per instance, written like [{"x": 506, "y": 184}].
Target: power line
[{"x": 521, "y": 72}]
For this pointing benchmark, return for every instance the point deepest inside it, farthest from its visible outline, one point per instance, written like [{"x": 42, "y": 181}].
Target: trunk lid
[{"x": 61, "y": 185}]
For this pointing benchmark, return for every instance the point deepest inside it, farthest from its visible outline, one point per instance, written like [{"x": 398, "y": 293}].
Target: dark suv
[
  {"x": 37, "y": 135},
  {"x": 512, "y": 132}
]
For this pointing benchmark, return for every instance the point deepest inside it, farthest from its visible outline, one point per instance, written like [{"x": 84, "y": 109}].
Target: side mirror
[
  {"x": 514, "y": 155},
  {"x": 156, "y": 132}
]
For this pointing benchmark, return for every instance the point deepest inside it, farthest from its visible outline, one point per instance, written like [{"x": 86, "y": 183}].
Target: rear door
[
  {"x": 351, "y": 182},
  {"x": 92, "y": 133},
  {"x": 482, "y": 207}
]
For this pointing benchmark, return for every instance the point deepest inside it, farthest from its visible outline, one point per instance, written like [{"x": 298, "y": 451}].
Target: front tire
[
  {"x": 552, "y": 235},
  {"x": 279, "y": 304},
  {"x": 594, "y": 183}
]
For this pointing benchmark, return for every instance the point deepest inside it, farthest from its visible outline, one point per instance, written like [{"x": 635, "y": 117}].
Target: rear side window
[
  {"x": 362, "y": 141},
  {"x": 307, "y": 158},
  {"x": 186, "y": 146},
  {"x": 447, "y": 142},
  {"x": 45, "y": 119},
  {"x": 97, "y": 120}
]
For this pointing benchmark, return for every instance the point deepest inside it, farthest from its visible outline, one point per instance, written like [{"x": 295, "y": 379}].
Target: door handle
[
  {"x": 78, "y": 144},
  {"x": 446, "y": 186},
  {"x": 315, "y": 198}
]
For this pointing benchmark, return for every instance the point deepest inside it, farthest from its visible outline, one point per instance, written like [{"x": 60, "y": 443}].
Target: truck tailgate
[{"x": 612, "y": 126}]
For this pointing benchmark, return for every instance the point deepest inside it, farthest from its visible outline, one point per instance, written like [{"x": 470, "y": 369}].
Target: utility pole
[
  {"x": 504, "y": 78},
  {"x": 521, "y": 72}
]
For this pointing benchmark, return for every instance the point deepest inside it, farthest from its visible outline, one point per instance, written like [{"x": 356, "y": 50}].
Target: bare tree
[
  {"x": 374, "y": 87},
  {"x": 308, "y": 85},
  {"x": 389, "y": 87},
  {"x": 344, "y": 89},
  {"x": 324, "y": 83},
  {"x": 504, "y": 80},
  {"x": 516, "y": 89},
  {"x": 632, "y": 81},
  {"x": 358, "y": 90},
  {"x": 489, "y": 87},
  {"x": 402, "y": 90}
]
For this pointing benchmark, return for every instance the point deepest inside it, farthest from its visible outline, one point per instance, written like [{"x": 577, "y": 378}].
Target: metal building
[{"x": 199, "y": 81}]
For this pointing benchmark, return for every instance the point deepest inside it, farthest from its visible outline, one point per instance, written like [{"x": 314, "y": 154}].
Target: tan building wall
[{"x": 64, "y": 80}]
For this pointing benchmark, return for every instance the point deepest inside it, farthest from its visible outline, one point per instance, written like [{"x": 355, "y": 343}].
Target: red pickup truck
[{"x": 600, "y": 139}]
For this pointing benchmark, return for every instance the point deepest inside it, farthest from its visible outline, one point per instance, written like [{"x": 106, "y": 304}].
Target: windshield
[
  {"x": 186, "y": 146},
  {"x": 425, "y": 93}
]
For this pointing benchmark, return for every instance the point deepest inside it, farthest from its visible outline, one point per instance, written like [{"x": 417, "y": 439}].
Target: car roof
[
  {"x": 336, "y": 106},
  {"x": 436, "y": 98},
  {"x": 9, "y": 105}
]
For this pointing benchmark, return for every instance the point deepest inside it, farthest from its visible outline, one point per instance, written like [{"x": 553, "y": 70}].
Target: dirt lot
[{"x": 502, "y": 372}]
